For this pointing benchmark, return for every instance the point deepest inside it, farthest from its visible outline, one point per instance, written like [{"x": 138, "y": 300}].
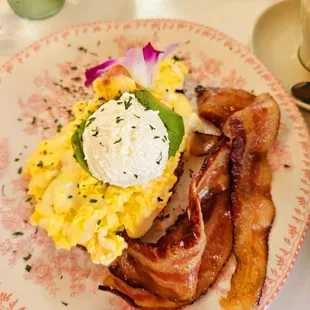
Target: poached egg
[{"x": 125, "y": 144}]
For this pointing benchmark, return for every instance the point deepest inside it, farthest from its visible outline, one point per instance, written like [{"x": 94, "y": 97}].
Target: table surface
[{"x": 16, "y": 33}]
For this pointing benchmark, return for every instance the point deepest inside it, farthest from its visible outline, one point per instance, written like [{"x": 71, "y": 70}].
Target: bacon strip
[
  {"x": 252, "y": 131},
  {"x": 218, "y": 104},
  {"x": 170, "y": 268},
  {"x": 132, "y": 278}
]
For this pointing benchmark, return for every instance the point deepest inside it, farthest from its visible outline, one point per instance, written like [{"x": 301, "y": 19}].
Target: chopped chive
[
  {"x": 159, "y": 199},
  {"x": 70, "y": 196},
  {"x": 2, "y": 190},
  {"x": 152, "y": 128},
  {"x": 82, "y": 49},
  {"x": 28, "y": 268},
  {"x": 124, "y": 172},
  {"x": 64, "y": 303},
  {"x": 61, "y": 277},
  {"x": 136, "y": 176},
  {"x": 20, "y": 170},
  {"x": 27, "y": 257},
  {"x": 137, "y": 116},
  {"x": 160, "y": 158},
  {"x": 93, "y": 200},
  {"x": 28, "y": 199},
  {"x": 156, "y": 137},
  {"x": 99, "y": 222},
  {"x": 176, "y": 58},
  {"x": 18, "y": 233},
  {"x": 16, "y": 159},
  {"x": 133, "y": 127},
  {"x": 118, "y": 119},
  {"x": 118, "y": 141},
  {"x": 34, "y": 120},
  {"x": 96, "y": 133},
  {"x": 40, "y": 164},
  {"x": 59, "y": 126},
  {"x": 128, "y": 103}
]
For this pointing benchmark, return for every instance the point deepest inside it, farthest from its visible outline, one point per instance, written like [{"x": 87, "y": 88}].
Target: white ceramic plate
[{"x": 34, "y": 101}]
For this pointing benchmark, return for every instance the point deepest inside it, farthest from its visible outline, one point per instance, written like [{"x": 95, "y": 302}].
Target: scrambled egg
[{"x": 73, "y": 206}]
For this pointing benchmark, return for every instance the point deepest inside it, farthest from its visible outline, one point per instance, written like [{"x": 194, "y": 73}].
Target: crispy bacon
[
  {"x": 170, "y": 268},
  {"x": 252, "y": 131},
  {"x": 145, "y": 275},
  {"x": 218, "y": 104}
]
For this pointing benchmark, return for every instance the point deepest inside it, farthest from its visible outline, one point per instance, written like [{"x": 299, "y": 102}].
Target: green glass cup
[{"x": 36, "y": 9}]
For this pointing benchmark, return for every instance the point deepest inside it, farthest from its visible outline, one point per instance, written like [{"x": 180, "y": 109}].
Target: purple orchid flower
[{"x": 140, "y": 62}]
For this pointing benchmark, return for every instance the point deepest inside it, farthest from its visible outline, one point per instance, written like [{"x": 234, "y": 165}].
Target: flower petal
[
  {"x": 140, "y": 62},
  {"x": 92, "y": 73},
  {"x": 135, "y": 64},
  {"x": 168, "y": 50},
  {"x": 150, "y": 54}
]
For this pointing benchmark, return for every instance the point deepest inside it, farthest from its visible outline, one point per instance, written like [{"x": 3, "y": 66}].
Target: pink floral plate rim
[{"x": 236, "y": 47}]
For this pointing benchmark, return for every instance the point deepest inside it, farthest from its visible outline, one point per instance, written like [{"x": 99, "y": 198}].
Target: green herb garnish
[
  {"x": 59, "y": 126},
  {"x": 34, "y": 120},
  {"x": 27, "y": 257},
  {"x": 18, "y": 233},
  {"x": 118, "y": 141},
  {"x": 28, "y": 268},
  {"x": 118, "y": 119},
  {"x": 128, "y": 103},
  {"x": 160, "y": 158}
]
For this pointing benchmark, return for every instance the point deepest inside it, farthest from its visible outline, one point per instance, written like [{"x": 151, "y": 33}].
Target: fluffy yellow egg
[{"x": 73, "y": 206}]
